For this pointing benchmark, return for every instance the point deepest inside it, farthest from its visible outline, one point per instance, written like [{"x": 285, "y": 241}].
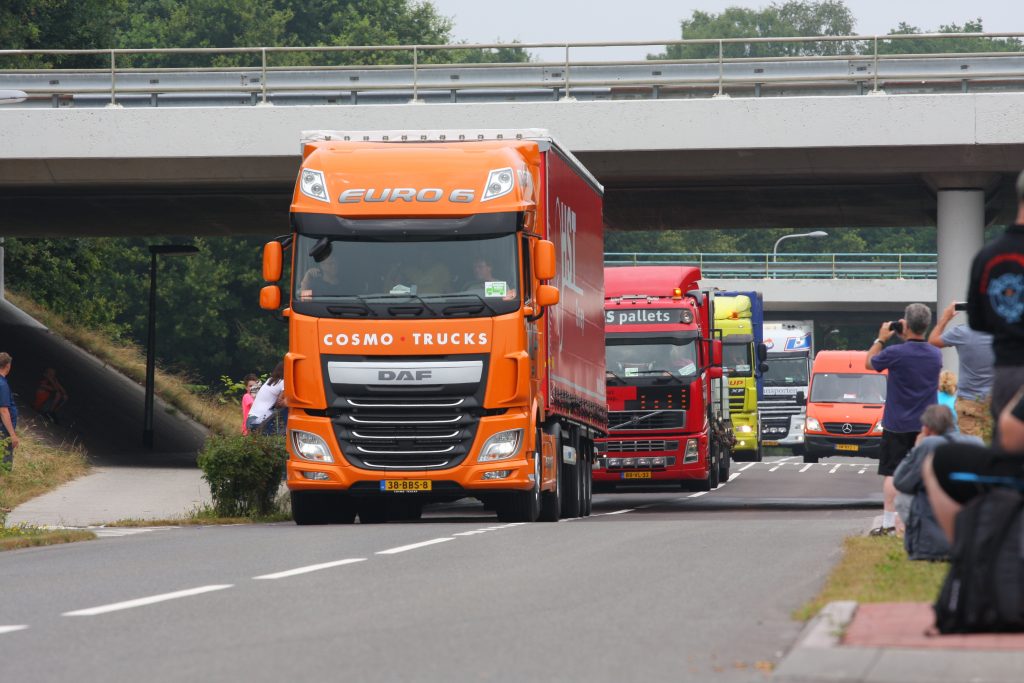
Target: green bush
[{"x": 244, "y": 473}]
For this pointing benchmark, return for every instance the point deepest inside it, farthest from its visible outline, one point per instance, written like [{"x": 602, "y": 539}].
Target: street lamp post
[
  {"x": 816, "y": 234},
  {"x": 147, "y": 411}
]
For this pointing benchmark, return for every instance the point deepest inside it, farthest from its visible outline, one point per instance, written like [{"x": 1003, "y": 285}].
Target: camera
[
  {"x": 896, "y": 326},
  {"x": 960, "y": 306}
]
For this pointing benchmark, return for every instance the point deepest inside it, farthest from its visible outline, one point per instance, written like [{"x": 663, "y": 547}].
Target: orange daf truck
[{"x": 446, "y": 327}]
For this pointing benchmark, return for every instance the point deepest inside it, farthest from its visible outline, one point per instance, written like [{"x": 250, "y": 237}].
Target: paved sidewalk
[
  {"x": 109, "y": 494},
  {"x": 888, "y": 643}
]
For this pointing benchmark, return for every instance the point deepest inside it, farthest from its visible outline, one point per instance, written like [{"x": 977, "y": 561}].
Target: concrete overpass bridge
[{"x": 856, "y": 138}]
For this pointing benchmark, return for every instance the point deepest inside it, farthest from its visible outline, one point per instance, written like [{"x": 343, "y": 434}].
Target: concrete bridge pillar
[{"x": 961, "y": 233}]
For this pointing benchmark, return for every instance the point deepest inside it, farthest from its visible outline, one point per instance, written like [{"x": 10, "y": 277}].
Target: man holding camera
[
  {"x": 974, "y": 350},
  {"x": 912, "y": 385}
]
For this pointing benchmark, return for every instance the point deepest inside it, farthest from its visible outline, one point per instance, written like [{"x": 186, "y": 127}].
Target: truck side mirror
[
  {"x": 270, "y": 298},
  {"x": 716, "y": 353},
  {"x": 544, "y": 260},
  {"x": 763, "y": 368},
  {"x": 695, "y": 295},
  {"x": 801, "y": 398},
  {"x": 762, "y": 354},
  {"x": 715, "y": 372},
  {"x": 273, "y": 258},
  {"x": 547, "y": 295}
]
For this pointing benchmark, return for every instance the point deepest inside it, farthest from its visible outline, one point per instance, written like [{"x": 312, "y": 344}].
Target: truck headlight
[
  {"x": 746, "y": 429},
  {"x": 499, "y": 184},
  {"x": 313, "y": 185},
  {"x": 309, "y": 446},
  {"x": 501, "y": 446},
  {"x": 692, "y": 454}
]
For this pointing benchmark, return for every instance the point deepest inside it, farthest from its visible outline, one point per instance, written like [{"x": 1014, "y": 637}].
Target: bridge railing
[
  {"x": 728, "y": 266},
  {"x": 851, "y": 65}
]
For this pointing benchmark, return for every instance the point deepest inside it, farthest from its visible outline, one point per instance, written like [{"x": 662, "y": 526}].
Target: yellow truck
[{"x": 740, "y": 317}]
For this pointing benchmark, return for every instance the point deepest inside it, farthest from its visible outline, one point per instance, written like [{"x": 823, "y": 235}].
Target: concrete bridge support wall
[{"x": 961, "y": 233}]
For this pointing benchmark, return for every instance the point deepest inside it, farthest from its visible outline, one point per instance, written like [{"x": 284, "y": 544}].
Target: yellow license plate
[
  {"x": 769, "y": 443},
  {"x": 406, "y": 485},
  {"x": 636, "y": 475},
  {"x": 847, "y": 447}
]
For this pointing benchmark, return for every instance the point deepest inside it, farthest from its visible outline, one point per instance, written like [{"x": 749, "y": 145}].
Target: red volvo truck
[
  {"x": 445, "y": 325},
  {"x": 668, "y": 415}
]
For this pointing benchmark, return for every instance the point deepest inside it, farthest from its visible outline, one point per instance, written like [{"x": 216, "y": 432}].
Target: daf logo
[
  {"x": 403, "y": 375},
  {"x": 847, "y": 428}
]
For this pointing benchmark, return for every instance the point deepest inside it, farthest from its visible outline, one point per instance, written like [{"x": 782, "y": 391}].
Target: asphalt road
[{"x": 659, "y": 585}]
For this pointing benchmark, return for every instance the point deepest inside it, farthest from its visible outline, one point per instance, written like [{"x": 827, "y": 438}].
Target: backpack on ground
[{"x": 984, "y": 589}]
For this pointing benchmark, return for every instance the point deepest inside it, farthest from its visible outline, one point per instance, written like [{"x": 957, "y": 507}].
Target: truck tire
[
  {"x": 588, "y": 480},
  {"x": 308, "y": 507},
  {"x": 713, "y": 472},
  {"x": 523, "y": 506},
  {"x": 724, "y": 463},
  {"x": 572, "y": 486},
  {"x": 810, "y": 459},
  {"x": 552, "y": 502},
  {"x": 759, "y": 453},
  {"x": 710, "y": 481},
  {"x": 374, "y": 511}
]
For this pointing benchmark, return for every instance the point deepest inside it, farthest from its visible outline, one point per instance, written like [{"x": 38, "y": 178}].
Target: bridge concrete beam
[
  {"x": 886, "y": 298},
  {"x": 738, "y": 162}
]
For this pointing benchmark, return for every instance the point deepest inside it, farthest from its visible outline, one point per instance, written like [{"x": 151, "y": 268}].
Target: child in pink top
[{"x": 252, "y": 385}]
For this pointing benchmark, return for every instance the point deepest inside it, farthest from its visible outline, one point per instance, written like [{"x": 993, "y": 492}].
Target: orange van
[{"x": 844, "y": 409}]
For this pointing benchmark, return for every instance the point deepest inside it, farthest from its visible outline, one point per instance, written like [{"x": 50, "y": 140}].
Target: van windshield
[{"x": 828, "y": 387}]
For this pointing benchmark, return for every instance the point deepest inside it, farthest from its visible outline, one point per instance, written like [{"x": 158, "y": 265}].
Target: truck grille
[
  {"x": 634, "y": 420},
  {"x": 774, "y": 427},
  {"x": 641, "y": 446},
  {"x": 405, "y": 432},
  {"x": 736, "y": 404},
  {"x": 855, "y": 427}
]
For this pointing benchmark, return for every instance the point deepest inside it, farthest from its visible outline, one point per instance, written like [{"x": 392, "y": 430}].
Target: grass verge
[
  {"x": 207, "y": 516},
  {"x": 18, "y": 537},
  {"x": 876, "y": 569},
  {"x": 130, "y": 360}
]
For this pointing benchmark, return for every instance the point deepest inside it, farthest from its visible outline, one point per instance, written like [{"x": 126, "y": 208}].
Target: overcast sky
[{"x": 545, "y": 21}]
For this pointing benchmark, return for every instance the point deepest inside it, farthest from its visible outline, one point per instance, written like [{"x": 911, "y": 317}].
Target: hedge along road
[{"x": 659, "y": 585}]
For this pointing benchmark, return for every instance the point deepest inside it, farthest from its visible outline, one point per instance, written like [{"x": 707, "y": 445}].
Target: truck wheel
[
  {"x": 713, "y": 472},
  {"x": 588, "y": 480},
  {"x": 811, "y": 459},
  {"x": 572, "y": 489},
  {"x": 724, "y": 463},
  {"x": 552, "y": 502},
  {"x": 339, "y": 509},
  {"x": 759, "y": 453},
  {"x": 308, "y": 507},
  {"x": 523, "y": 506}
]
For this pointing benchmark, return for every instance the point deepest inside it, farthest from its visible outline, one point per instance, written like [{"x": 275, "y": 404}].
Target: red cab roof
[{"x": 649, "y": 280}]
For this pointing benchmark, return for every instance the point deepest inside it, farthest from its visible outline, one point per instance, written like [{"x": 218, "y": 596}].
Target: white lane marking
[
  {"x": 863, "y": 471},
  {"x": 833, "y": 470},
  {"x": 697, "y": 495},
  {"x": 309, "y": 568},
  {"x": 788, "y": 457},
  {"x": 617, "y": 512},
  {"x": 474, "y": 532},
  {"x": 807, "y": 467},
  {"x": 733, "y": 476},
  {"x": 775, "y": 468},
  {"x": 141, "y": 602},
  {"x": 11, "y": 629},
  {"x": 414, "y": 546},
  {"x": 747, "y": 466}
]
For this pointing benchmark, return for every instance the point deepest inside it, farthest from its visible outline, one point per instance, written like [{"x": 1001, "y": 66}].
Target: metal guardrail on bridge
[
  {"x": 789, "y": 266},
  {"x": 840, "y": 65}
]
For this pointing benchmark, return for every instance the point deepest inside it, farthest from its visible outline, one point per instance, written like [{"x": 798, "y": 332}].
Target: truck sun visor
[{"x": 475, "y": 225}]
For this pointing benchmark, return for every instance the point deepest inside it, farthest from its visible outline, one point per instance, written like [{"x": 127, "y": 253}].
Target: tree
[
  {"x": 795, "y": 18},
  {"x": 947, "y": 45},
  {"x": 58, "y": 24}
]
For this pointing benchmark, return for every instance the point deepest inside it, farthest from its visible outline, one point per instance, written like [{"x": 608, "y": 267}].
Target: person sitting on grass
[
  {"x": 923, "y": 538},
  {"x": 50, "y": 395}
]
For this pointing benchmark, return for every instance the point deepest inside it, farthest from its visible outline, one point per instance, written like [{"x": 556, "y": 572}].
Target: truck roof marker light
[
  {"x": 313, "y": 185},
  {"x": 499, "y": 183},
  {"x": 677, "y": 293}
]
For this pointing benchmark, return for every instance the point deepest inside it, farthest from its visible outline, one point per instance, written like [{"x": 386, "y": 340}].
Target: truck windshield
[
  {"x": 736, "y": 359},
  {"x": 633, "y": 358},
  {"x": 830, "y": 387},
  {"x": 786, "y": 372},
  {"x": 421, "y": 276}
]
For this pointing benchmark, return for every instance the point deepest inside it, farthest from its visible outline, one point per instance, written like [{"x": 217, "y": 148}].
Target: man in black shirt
[{"x": 995, "y": 304}]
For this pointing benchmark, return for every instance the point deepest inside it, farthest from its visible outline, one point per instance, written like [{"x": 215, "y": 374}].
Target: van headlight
[
  {"x": 309, "y": 446},
  {"x": 812, "y": 425},
  {"x": 501, "y": 446},
  {"x": 878, "y": 428}
]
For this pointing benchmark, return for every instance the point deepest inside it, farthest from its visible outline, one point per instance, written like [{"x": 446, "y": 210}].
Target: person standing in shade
[
  {"x": 911, "y": 386},
  {"x": 268, "y": 411},
  {"x": 974, "y": 351},
  {"x": 8, "y": 412},
  {"x": 995, "y": 304}
]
